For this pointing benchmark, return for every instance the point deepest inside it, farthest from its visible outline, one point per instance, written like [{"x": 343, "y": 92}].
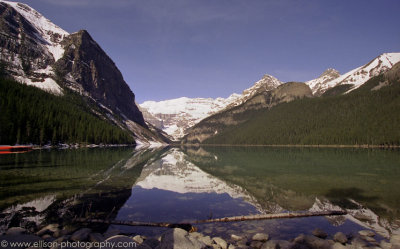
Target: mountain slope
[
  {"x": 175, "y": 116},
  {"x": 356, "y": 77},
  {"x": 317, "y": 85},
  {"x": 30, "y": 115},
  {"x": 36, "y": 52},
  {"x": 367, "y": 115},
  {"x": 232, "y": 117},
  {"x": 87, "y": 69}
]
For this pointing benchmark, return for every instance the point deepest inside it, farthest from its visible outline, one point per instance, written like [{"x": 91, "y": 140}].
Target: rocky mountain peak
[
  {"x": 331, "y": 73},
  {"x": 358, "y": 76},
  {"x": 318, "y": 85},
  {"x": 266, "y": 83},
  {"x": 48, "y": 31},
  {"x": 37, "y": 52},
  {"x": 93, "y": 73}
]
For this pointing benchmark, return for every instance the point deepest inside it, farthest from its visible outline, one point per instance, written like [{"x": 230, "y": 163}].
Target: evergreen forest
[
  {"x": 32, "y": 116},
  {"x": 361, "y": 117}
]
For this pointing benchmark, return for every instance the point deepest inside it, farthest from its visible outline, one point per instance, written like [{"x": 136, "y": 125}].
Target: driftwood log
[{"x": 190, "y": 228}]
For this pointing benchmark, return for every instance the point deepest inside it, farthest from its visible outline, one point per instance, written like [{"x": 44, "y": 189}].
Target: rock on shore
[{"x": 180, "y": 239}]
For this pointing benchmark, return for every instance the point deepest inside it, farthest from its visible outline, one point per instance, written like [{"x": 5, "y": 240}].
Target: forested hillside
[
  {"x": 364, "y": 116},
  {"x": 31, "y": 115}
]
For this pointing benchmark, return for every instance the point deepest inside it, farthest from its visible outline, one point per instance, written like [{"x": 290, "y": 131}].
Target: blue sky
[{"x": 211, "y": 48}]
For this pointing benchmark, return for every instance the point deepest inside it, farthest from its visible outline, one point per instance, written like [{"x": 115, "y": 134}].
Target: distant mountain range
[
  {"x": 37, "y": 52},
  {"x": 363, "y": 113},
  {"x": 176, "y": 116},
  {"x": 85, "y": 84}
]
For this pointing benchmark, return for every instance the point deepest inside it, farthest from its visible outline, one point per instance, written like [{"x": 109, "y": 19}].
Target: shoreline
[
  {"x": 362, "y": 146},
  {"x": 55, "y": 236}
]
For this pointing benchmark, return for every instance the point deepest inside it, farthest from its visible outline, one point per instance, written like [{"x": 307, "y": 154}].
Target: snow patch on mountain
[
  {"x": 182, "y": 113},
  {"x": 48, "y": 85},
  {"x": 179, "y": 114},
  {"x": 357, "y": 76},
  {"x": 50, "y": 33},
  {"x": 48, "y": 36},
  {"x": 316, "y": 85}
]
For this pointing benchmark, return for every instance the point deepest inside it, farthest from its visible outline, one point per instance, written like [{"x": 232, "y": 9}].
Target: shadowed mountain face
[
  {"x": 36, "y": 52},
  {"x": 93, "y": 72}
]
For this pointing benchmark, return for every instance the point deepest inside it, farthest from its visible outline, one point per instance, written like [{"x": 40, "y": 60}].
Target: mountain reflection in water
[{"x": 186, "y": 184}]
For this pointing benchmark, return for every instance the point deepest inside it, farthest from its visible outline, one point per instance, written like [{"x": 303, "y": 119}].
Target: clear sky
[{"x": 211, "y": 48}]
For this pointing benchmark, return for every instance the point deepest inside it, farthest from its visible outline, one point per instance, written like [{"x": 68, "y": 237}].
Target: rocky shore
[{"x": 54, "y": 236}]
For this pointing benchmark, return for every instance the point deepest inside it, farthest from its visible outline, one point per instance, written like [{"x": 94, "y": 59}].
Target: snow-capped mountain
[
  {"x": 37, "y": 52},
  {"x": 317, "y": 85},
  {"x": 267, "y": 83},
  {"x": 174, "y": 173},
  {"x": 174, "y": 116},
  {"x": 355, "y": 77},
  {"x": 31, "y": 29}
]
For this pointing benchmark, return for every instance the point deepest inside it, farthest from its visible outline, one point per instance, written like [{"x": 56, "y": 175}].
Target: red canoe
[{"x": 7, "y": 149}]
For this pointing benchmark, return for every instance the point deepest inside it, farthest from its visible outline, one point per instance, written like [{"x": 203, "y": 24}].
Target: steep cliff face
[
  {"x": 37, "y": 52},
  {"x": 87, "y": 69},
  {"x": 27, "y": 50},
  {"x": 230, "y": 117}
]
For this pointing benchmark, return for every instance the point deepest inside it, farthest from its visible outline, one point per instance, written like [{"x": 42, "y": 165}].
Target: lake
[{"x": 194, "y": 183}]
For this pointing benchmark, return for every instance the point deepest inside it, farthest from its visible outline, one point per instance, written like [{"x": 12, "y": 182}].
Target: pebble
[
  {"x": 179, "y": 238},
  {"x": 222, "y": 243},
  {"x": 206, "y": 240},
  {"x": 338, "y": 245},
  {"x": 236, "y": 237},
  {"x": 81, "y": 235},
  {"x": 369, "y": 239},
  {"x": 15, "y": 231},
  {"x": 51, "y": 228},
  {"x": 367, "y": 233},
  {"x": 256, "y": 244},
  {"x": 357, "y": 242},
  {"x": 138, "y": 239},
  {"x": 196, "y": 235},
  {"x": 340, "y": 237},
  {"x": 385, "y": 245},
  {"x": 319, "y": 233},
  {"x": 96, "y": 237},
  {"x": 395, "y": 239},
  {"x": 46, "y": 236},
  {"x": 151, "y": 242},
  {"x": 260, "y": 237}
]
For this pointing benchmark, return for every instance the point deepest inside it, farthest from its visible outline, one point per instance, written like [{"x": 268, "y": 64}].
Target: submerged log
[
  {"x": 272, "y": 216},
  {"x": 185, "y": 226},
  {"x": 188, "y": 227}
]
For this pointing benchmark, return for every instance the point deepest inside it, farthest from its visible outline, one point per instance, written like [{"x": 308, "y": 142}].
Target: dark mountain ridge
[{"x": 36, "y": 52}]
